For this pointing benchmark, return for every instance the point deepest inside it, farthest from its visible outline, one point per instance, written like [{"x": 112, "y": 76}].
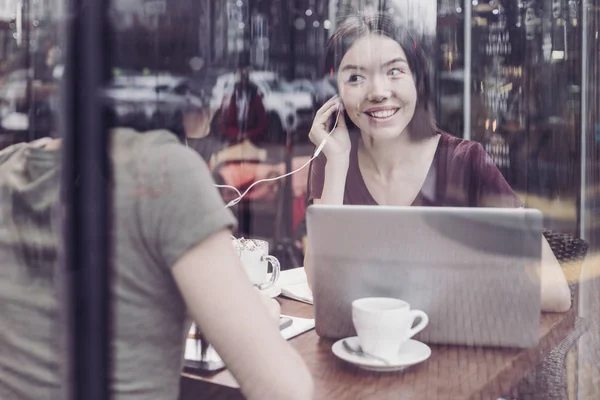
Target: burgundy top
[{"x": 462, "y": 174}]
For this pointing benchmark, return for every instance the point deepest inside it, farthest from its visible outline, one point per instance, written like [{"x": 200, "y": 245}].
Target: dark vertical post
[
  {"x": 287, "y": 183},
  {"x": 285, "y": 240},
  {"x": 30, "y": 67},
  {"x": 247, "y": 51},
  {"x": 292, "y": 56},
  {"x": 211, "y": 44},
  {"x": 85, "y": 184}
]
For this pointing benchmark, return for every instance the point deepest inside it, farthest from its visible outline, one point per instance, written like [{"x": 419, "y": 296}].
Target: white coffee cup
[
  {"x": 255, "y": 258},
  {"x": 383, "y": 324}
]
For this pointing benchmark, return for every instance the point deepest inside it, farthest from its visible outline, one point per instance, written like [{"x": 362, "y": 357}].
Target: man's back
[{"x": 161, "y": 208}]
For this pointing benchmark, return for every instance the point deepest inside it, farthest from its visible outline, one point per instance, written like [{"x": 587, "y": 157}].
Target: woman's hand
[
  {"x": 234, "y": 320},
  {"x": 338, "y": 143}
]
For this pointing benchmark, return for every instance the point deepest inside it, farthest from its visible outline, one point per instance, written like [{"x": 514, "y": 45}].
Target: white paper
[
  {"x": 299, "y": 325},
  {"x": 294, "y": 284}
]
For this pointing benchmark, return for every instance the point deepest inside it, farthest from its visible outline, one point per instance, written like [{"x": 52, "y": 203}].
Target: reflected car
[
  {"x": 287, "y": 108},
  {"x": 13, "y": 86},
  {"x": 320, "y": 90},
  {"x": 151, "y": 102},
  {"x": 14, "y": 107}
]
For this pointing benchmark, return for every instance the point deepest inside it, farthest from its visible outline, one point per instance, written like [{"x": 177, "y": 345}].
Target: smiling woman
[
  {"x": 387, "y": 150},
  {"x": 373, "y": 57}
]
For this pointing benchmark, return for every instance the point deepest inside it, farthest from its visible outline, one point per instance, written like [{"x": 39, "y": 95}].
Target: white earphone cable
[
  {"x": 229, "y": 187},
  {"x": 241, "y": 195}
]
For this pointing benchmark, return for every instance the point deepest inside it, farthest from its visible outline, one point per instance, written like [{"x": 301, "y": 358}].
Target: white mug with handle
[
  {"x": 383, "y": 324},
  {"x": 255, "y": 258}
]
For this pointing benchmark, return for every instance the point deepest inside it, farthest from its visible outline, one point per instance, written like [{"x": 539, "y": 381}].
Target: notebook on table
[{"x": 294, "y": 285}]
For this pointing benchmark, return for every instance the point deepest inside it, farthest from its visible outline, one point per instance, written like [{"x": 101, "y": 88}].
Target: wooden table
[{"x": 452, "y": 372}]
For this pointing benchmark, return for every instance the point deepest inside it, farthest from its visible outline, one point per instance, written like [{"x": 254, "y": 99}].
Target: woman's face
[{"x": 377, "y": 87}]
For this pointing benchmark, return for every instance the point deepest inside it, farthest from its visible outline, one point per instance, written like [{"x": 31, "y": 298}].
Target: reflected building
[
  {"x": 8, "y": 12},
  {"x": 282, "y": 36},
  {"x": 531, "y": 128},
  {"x": 287, "y": 37},
  {"x": 38, "y": 28}
]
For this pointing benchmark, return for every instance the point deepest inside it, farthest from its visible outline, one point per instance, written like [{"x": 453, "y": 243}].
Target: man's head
[{"x": 243, "y": 78}]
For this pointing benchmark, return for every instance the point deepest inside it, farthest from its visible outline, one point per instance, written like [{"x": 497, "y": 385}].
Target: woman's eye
[
  {"x": 354, "y": 78},
  {"x": 395, "y": 72}
]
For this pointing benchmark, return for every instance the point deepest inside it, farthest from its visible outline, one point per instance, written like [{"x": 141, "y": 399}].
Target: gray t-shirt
[{"x": 164, "y": 204}]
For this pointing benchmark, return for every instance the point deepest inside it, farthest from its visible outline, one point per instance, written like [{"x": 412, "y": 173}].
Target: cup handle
[
  {"x": 275, "y": 275},
  {"x": 421, "y": 325}
]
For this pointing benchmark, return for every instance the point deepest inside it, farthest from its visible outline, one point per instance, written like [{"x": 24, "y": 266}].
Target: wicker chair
[{"x": 549, "y": 380}]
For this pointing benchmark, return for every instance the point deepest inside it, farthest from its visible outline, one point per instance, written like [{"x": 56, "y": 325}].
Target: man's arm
[{"x": 236, "y": 322}]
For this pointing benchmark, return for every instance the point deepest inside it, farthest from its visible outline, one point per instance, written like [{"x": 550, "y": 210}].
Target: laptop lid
[{"x": 474, "y": 271}]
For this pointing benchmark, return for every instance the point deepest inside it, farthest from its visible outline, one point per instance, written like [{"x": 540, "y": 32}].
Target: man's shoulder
[
  {"x": 11, "y": 152},
  {"x": 154, "y": 153},
  {"x": 127, "y": 144},
  {"x": 123, "y": 139}
]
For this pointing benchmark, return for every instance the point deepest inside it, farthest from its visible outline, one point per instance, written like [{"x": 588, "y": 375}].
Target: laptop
[{"x": 474, "y": 271}]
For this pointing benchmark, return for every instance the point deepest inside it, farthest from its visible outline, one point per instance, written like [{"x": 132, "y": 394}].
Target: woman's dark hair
[{"x": 360, "y": 24}]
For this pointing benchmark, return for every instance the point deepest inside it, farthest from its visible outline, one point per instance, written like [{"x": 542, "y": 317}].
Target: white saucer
[
  {"x": 412, "y": 352},
  {"x": 272, "y": 291}
]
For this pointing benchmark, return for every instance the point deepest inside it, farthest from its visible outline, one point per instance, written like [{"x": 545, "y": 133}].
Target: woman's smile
[{"x": 381, "y": 114}]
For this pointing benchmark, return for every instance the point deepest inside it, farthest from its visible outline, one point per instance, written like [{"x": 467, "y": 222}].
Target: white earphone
[{"x": 316, "y": 153}]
